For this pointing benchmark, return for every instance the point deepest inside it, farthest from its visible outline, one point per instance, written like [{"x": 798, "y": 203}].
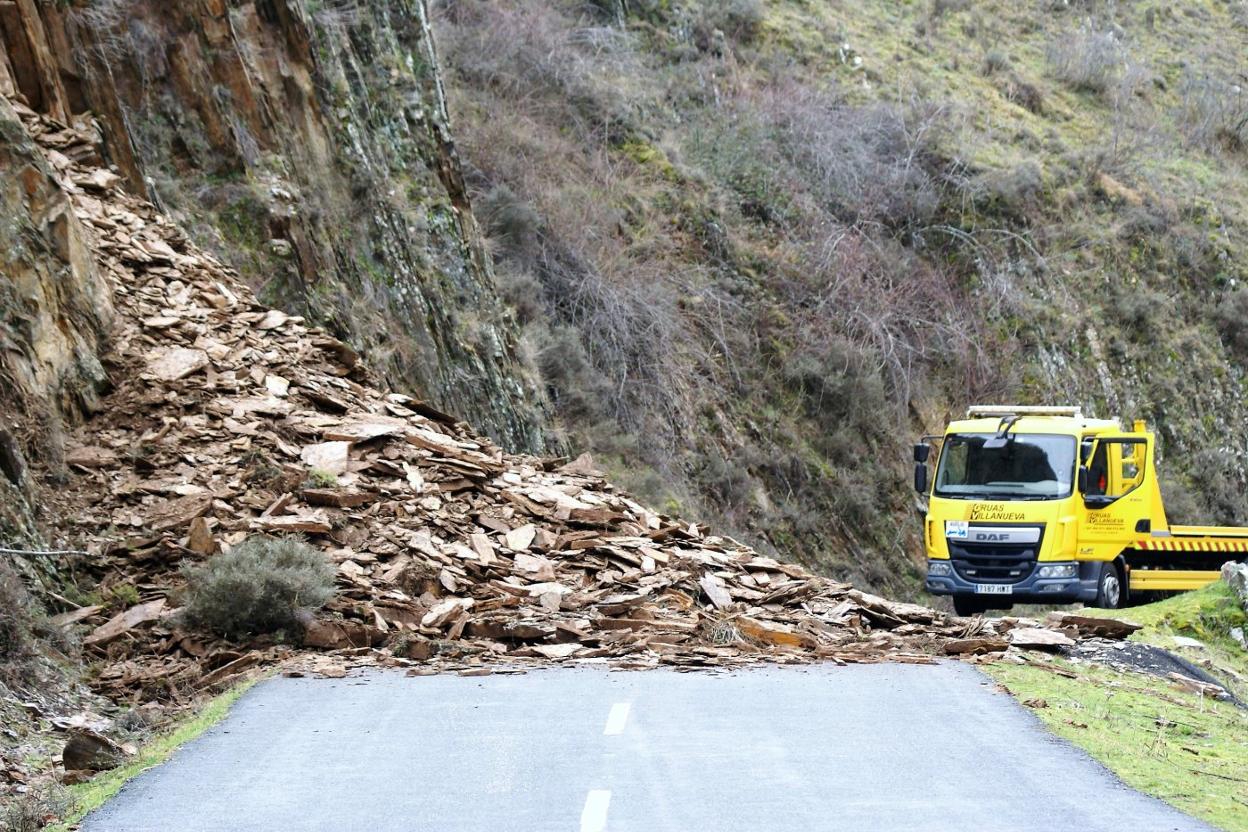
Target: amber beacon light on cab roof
[{"x": 1046, "y": 505}]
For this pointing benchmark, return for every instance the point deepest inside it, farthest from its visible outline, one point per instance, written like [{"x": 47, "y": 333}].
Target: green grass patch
[
  {"x": 89, "y": 796},
  {"x": 1208, "y": 614},
  {"x": 1188, "y": 751}
]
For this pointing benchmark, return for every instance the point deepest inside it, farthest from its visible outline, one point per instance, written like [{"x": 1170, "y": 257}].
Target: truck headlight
[
  {"x": 1060, "y": 570},
  {"x": 939, "y": 568}
]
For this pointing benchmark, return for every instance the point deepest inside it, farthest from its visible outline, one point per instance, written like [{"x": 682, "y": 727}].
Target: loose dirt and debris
[
  {"x": 1156, "y": 661},
  {"x": 229, "y": 419}
]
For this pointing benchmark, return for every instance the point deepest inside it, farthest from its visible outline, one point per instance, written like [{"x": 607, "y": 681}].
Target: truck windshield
[{"x": 1029, "y": 466}]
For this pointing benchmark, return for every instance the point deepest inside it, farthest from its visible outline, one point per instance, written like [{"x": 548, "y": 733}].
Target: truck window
[
  {"x": 1098, "y": 471},
  {"x": 1029, "y": 466},
  {"x": 1117, "y": 467}
]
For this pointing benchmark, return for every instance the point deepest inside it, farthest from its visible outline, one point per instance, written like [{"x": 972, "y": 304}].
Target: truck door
[{"x": 1117, "y": 506}]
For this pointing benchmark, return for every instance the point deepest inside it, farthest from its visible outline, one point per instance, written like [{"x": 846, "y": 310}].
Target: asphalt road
[{"x": 883, "y": 747}]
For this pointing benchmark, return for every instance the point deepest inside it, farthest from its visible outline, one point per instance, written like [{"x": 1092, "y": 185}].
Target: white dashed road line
[
  {"x": 616, "y": 719},
  {"x": 594, "y": 815}
]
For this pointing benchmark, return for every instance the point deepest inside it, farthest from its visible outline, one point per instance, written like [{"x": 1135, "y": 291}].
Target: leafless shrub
[
  {"x": 244, "y": 140},
  {"x": 102, "y": 14},
  {"x": 872, "y": 164},
  {"x": 1239, "y": 13},
  {"x": 722, "y": 633},
  {"x": 630, "y": 330},
  {"x": 896, "y": 310},
  {"x": 601, "y": 40},
  {"x": 527, "y": 51},
  {"x": 1088, "y": 60},
  {"x": 35, "y": 809},
  {"x": 104, "y": 22},
  {"x": 337, "y": 16},
  {"x": 1214, "y": 111},
  {"x": 146, "y": 47},
  {"x": 114, "y": 34}
]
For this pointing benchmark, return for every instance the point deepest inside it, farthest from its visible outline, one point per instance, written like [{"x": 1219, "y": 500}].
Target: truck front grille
[{"x": 985, "y": 563}]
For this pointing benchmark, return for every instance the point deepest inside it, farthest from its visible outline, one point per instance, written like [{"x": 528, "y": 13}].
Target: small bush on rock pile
[{"x": 259, "y": 586}]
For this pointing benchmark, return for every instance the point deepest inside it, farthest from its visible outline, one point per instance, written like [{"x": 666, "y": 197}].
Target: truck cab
[{"x": 1045, "y": 505}]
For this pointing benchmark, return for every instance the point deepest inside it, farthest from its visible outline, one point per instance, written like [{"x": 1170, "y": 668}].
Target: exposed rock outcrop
[
  {"x": 55, "y": 311},
  {"x": 307, "y": 143}
]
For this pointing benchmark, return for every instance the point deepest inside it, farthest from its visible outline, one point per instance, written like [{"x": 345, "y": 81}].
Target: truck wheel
[
  {"x": 1109, "y": 587},
  {"x": 968, "y": 605}
]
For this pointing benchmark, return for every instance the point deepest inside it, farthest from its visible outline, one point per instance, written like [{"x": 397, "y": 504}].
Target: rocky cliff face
[
  {"x": 54, "y": 316},
  {"x": 304, "y": 141}
]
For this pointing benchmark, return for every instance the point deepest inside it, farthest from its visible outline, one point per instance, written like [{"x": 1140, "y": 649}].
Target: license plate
[{"x": 994, "y": 589}]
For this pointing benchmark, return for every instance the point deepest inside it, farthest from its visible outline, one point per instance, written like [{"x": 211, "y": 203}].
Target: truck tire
[
  {"x": 1110, "y": 590},
  {"x": 967, "y": 605}
]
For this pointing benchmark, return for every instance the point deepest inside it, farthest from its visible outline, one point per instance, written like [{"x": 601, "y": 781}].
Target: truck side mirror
[
  {"x": 1083, "y": 479},
  {"x": 921, "y": 452},
  {"x": 920, "y": 477}
]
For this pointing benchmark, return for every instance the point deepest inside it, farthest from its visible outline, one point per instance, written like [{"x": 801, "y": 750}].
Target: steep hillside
[
  {"x": 746, "y": 250},
  {"x": 758, "y": 247}
]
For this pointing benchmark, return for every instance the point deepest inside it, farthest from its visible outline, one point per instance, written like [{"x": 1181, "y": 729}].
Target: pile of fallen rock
[
  {"x": 1058, "y": 631},
  {"x": 229, "y": 419}
]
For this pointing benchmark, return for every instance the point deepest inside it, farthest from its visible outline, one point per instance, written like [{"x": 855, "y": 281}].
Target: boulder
[
  {"x": 1236, "y": 576},
  {"x": 88, "y": 750}
]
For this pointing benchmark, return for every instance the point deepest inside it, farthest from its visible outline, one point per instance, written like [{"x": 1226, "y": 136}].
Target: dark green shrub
[
  {"x": 739, "y": 20},
  {"x": 16, "y": 623},
  {"x": 840, "y": 386},
  {"x": 1140, "y": 309},
  {"x": 727, "y": 480},
  {"x": 258, "y": 586},
  {"x": 577, "y": 389},
  {"x": 1019, "y": 91},
  {"x": 940, "y": 8},
  {"x": 996, "y": 60},
  {"x": 1181, "y": 507},
  {"x": 1217, "y": 478},
  {"x": 511, "y": 223},
  {"x": 1232, "y": 321}
]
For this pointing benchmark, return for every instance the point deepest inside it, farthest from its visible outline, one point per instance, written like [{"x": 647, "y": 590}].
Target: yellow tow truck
[{"x": 1044, "y": 505}]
